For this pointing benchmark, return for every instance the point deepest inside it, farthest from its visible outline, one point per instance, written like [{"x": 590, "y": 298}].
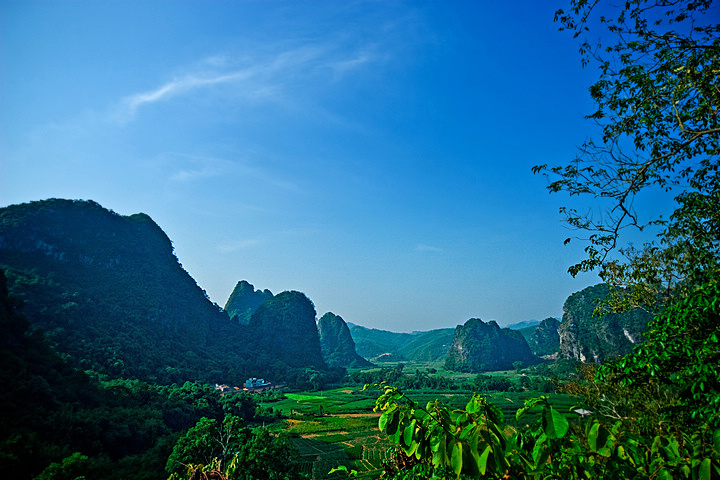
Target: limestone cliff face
[
  {"x": 545, "y": 340},
  {"x": 336, "y": 343},
  {"x": 592, "y": 339},
  {"x": 283, "y": 328},
  {"x": 478, "y": 346},
  {"x": 244, "y": 300}
]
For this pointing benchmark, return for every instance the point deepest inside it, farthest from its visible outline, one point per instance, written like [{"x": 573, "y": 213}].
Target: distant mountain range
[
  {"x": 379, "y": 345},
  {"x": 111, "y": 296}
]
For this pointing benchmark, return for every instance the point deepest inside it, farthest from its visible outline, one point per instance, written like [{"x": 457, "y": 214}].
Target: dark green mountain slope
[
  {"x": 544, "y": 338},
  {"x": 284, "y": 329},
  {"x": 112, "y": 295},
  {"x": 591, "y": 339},
  {"x": 417, "y": 346},
  {"x": 244, "y": 300},
  {"x": 337, "y": 345},
  {"x": 64, "y": 423},
  {"x": 478, "y": 346}
]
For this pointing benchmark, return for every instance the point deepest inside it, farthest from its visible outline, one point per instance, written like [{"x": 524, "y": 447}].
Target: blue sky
[{"x": 374, "y": 155}]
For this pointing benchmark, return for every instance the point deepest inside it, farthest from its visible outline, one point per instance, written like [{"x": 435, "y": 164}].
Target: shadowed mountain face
[
  {"x": 110, "y": 293},
  {"x": 593, "y": 339},
  {"x": 244, "y": 300},
  {"x": 478, "y": 346},
  {"x": 283, "y": 328},
  {"x": 338, "y": 347}
]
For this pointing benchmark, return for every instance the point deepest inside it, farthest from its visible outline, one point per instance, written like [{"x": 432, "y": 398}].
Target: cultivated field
[{"x": 338, "y": 427}]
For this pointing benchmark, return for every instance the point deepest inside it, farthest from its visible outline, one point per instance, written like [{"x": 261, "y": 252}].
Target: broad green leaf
[
  {"x": 664, "y": 474},
  {"x": 383, "y": 420},
  {"x": 482, "y": 462},
  {"x": 474, "y": 405},
  {"x": 439, "y": 457},
  {"x": 409, "y": 433},
  {"x": 456, "y": 460},
  {"x": 716, "y": 439},
  {"x": 393, "y": 422},
  {"x": 554, "y": 424},
  {"x": 704, "y": 472}
]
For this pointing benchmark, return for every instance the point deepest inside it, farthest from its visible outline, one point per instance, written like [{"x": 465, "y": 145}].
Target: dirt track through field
[{"x": 353, "y": 415}]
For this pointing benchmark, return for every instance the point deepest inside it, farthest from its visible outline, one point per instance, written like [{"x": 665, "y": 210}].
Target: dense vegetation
[
  {"x": 59, "y": 422},
  {"x": 244, "y": 300},
  {"x": 479, "y": 346}
]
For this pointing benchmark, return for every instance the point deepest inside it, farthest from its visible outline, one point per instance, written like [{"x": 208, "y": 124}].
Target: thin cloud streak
[
  {"x": 428, "y": 248},
  {"x": 175, "y": 87},
  {"x": 238, "y": 245},
  {"x": 261, "y": 78}
]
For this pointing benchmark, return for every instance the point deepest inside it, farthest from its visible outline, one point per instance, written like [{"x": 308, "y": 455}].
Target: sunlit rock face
[
  {"x": 594, "y": 339},
  {"x": 479, "y": 346}
]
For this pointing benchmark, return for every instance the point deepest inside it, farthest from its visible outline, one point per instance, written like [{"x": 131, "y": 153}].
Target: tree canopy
[{"x": 657, "y": 99}]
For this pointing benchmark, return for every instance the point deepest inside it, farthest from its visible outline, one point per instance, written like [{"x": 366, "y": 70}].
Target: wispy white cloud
[
  {"x": 181, "y": 85},
  {"x": 428, "y": 248},
  {"x": 186, "y": 168},
  {"x": 236, "y": 245},
  {"x": 262, "y": 76}
]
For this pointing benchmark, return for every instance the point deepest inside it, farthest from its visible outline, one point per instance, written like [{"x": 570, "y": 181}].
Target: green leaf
[
  {"x": 409, "y": 432},
  {"x": 553, "y": 423},
  {"x": 482, "y": 462},
  {"x": 393, "y": 422},
  {"x": 438, "y": 458},
  {"x": 704, "y": 472},
  {"x": 664, "y": 474},
  {"x": 474, "y": 405},
  {"x": 456, "y": 461},
  {"x": 598, "y": 439}
]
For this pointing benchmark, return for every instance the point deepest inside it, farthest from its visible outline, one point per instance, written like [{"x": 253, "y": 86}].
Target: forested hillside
[
  {"x": 418, "y": 346},
  {"x": 479, "y": 346},
  {"x": 59, "y": 422},
  {"x": 111, "y": 295}
]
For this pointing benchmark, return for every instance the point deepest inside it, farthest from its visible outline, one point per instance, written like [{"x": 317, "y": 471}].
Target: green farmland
[{"x": 338, "y": 427}]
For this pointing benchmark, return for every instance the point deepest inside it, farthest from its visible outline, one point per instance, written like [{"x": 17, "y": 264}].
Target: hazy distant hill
[
  {"x": 479, "y": 346},
  {"x": 111, "y": 294},
  {"x": 523, "y": 325},
  {"x": 417, "y": 346},
  {"x": 244, "y": 300}
]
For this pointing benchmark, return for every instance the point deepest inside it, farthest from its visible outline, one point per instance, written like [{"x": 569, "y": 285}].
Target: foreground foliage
[
  {"x": 475, "y": 442},
  {"x": 657, "y": 416}
]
